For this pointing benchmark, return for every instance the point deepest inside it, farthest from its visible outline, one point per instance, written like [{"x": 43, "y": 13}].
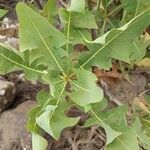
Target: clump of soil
[{"x": 13, "y": 133}]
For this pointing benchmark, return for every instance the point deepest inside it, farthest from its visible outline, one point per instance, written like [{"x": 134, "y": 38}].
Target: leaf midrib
[
  {"x": 47, "y": 47},
  {"x": 21, "y": 65}
]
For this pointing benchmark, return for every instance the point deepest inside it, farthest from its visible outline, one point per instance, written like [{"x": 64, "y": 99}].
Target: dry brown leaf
[
  {"x": 79, "y": 48},
  {"x": 110, "y": 74},
  {"x": 109, "y": 77}
]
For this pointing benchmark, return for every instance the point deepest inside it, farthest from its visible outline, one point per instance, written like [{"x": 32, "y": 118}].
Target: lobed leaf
[
  {"x": 54, "y": 119},
  {"x": 32, "y": 126},
  {"x": 119, "y": 44},
  {"x": 126, "y": 141},
  {"x": 133, "y": 8},
  {"x": 112, "y": 121},
  {"x": 86, "y": 87},
  {"x": 35, "y": 30},
  {"x": 137, "y": 128},
  {"x": 78, "y": 20},
  {"x": 11, "y": 60},
  {"x": 37, "y": 33}
]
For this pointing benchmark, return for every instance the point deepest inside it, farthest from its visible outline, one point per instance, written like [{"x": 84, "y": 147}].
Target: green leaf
[
  {"x": 44, "y": 99},
  {"x": 112, "y": 120},
  {"x": 102, "y": 104},
  {"x": 77, "y": 6},
  {"x": 50, "y": 10},
  {"x": 54, "y": 120},
  {"x": 126, "y": 141},
  {"x": 82, "y": 21},
  {"x": 110, "y": 132},
  {"x": 114, "y": 117},
  {"x": 133, "y": 8},
  {"x": 31, "y": 122},
  {"x": 119, "y": 43},
  {"x": 146, "y": 125},
  {"x": 142, "y": 6},
  {"x": 77, "y": 34},
  {"x": 55, "y": 81},
  {"x": 139, "y": 52},
  {"x": 50, "y": 115},
  {"x": 78, "y": 20},
  {"x": 44, "y": 119},
  {"x": 38, "y": 142},
  {"x": 3, "y": 12},
  {"x": 86, "y": 87},
  {"x": 137, "y": 128},
  {"x": 11, "y": 60},
  {"x": 36, "y": 32}
]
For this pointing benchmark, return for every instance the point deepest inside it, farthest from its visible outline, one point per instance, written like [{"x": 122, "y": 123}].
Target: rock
[
  {"x": 7, "y": 93},
  {"x": 25, "y": 90},
  {"x": 13, "y": 133},
  {"x": 9, "y": 33}
]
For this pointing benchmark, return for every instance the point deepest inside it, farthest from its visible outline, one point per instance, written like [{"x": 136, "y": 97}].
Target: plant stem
[
  {"x": 58, "y": 101},
  {"x": 104, "y": 26},
  {"x": 61, "y": 94},
  {"x": 68, "y": 32},
  {"x": 68, "y": 37}
]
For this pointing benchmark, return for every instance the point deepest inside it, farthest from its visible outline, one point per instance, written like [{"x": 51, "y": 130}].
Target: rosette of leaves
[{"x": 47, "y": 54}]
